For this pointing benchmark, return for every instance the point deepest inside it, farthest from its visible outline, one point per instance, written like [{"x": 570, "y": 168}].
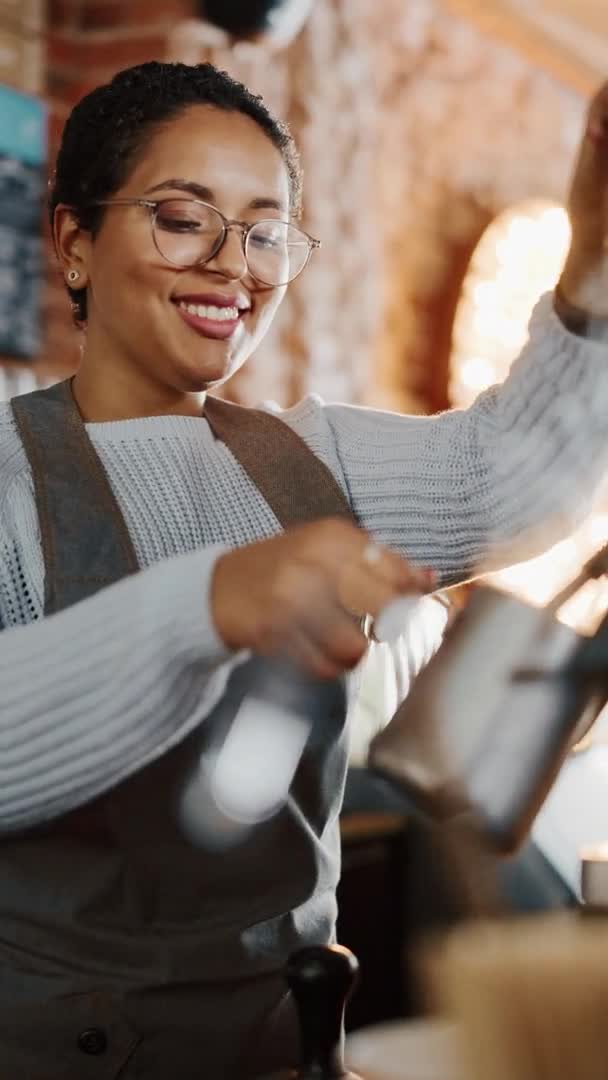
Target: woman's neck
[{"x": 116, "y": 397}]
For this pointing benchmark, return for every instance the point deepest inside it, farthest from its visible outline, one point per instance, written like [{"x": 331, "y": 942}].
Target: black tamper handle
[{"x": 321, "y": 978}]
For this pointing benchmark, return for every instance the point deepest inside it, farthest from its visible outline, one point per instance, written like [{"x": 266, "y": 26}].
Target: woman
[{"x": 128, "y": 947}]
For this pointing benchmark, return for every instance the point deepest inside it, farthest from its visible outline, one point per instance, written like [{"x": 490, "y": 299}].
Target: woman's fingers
[
  {"x": 325, "y": 653},
  {"x": 368, "y": 583},
  {"x": 321, "y": 636},
  {"x": 338, "y": 635},
  {"x": 299, "y": 594}
]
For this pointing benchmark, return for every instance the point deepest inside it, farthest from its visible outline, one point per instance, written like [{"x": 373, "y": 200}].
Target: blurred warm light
[{"x": 518, "y": 258}]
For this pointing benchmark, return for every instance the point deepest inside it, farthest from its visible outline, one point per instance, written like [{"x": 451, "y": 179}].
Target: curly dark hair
[{"x": 109, "y": 128}]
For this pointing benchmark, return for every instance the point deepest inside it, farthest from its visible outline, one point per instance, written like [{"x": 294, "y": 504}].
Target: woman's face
[{"x": 138, "y": 303}]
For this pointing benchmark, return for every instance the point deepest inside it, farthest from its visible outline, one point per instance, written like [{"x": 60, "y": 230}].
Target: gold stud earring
[{"x": 73, "y": 276}]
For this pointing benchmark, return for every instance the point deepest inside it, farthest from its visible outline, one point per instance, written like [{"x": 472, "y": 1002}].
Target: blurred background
[{"x": 437, "y": 137}]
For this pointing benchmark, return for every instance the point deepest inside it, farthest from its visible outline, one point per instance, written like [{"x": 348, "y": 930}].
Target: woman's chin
[{"x": 208, "y": 374}]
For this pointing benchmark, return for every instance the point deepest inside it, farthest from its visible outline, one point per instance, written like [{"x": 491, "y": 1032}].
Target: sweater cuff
[{"x": 183, "y": 586}]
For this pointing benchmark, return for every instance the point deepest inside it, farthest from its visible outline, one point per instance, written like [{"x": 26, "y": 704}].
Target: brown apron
[{"x": 127, "y": 949}]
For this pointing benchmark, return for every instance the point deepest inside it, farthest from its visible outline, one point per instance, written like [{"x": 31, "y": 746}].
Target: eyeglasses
[{"x": 188, "y": 232}]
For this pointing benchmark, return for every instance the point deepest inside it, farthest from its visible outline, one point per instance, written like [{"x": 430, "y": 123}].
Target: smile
[
  {"x": 210, "y": 320},
  {"x": 210, "y": 311}
]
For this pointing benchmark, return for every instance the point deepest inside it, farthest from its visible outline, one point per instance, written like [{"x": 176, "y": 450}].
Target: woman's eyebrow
[
  {"x": 190, "y": 186},
  {"x": 266, "y": 202}
]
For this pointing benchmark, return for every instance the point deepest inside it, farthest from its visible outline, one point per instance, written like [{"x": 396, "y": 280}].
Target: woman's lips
[
  {"x": 215, "y": 322},
  {"x": 210, "y": 328}
]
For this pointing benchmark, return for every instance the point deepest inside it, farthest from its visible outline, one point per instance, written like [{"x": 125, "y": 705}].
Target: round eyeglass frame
[{"x": 227, "y": 223}]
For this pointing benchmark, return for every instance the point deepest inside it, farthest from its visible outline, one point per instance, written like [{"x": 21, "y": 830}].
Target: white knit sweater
[{"x": 92, "y": 694}]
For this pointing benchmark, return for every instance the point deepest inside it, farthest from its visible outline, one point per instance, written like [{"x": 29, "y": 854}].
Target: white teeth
[{"x": 210, "y": 311}]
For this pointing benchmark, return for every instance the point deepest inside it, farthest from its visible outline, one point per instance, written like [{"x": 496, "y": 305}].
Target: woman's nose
[{"x": 230, "y": 259}]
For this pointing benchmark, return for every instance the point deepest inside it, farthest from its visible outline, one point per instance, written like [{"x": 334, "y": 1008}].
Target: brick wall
[
  {"x": 21, "y": 44},
  {"x": 471, "y": 125}
]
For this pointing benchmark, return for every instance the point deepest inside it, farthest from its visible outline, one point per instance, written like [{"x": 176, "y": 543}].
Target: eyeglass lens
[{"x": 188, "y": 232}]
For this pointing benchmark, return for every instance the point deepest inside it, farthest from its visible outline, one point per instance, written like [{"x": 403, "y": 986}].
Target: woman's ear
[{"x": 72, "y": 247}]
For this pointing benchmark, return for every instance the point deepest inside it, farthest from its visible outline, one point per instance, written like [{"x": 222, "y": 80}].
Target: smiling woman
[
  {"x": 158, "y": 275},
  {"x": 166, "y": 558}
]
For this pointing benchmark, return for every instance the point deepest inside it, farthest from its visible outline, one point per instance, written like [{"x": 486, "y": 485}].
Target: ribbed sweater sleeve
[
  {"x": 91, "y": 694},
  {"x": 474, "y": 490}
]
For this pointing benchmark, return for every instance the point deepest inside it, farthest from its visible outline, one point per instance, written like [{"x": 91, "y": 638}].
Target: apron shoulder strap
[
  {"x": 85, "y": 541},
  {"x": 295, "y": 483}
]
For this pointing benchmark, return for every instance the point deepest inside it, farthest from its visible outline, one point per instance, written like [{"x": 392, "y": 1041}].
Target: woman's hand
[
  {"x": 584, "y": 282},
  {"x": 299, "y": 594}
]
